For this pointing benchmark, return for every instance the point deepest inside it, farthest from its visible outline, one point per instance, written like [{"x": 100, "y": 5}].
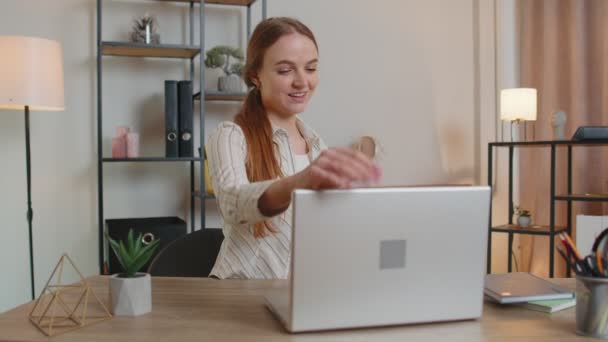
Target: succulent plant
[
  {"x": 519, "y": 211},
  {"x": 132, "y": 254},
  {"x": 219, "y": 57},
  {"x": 139, "y": 30}
]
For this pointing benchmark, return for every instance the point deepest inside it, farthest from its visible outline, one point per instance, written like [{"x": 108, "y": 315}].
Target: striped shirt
[{"x": 241, "y": 254}]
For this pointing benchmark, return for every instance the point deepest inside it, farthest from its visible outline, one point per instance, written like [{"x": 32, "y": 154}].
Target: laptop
[{"x": 384, "y": 256}]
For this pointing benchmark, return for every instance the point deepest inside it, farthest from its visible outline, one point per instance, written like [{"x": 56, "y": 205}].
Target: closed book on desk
[
  {"x": 549, "y": 306},
  {"x": 185, "y": 99},
  {"x": 171, "y": 123},
  {"x": 521, "y": 287}
]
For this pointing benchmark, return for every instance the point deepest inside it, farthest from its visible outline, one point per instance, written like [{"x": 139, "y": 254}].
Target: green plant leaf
[
  {"x": 127, "y": 258},
  {"x": 214, "y": 59},
  {"x": 151, "y": 245},
  {"x": 144, "y": 258},
  {"x": 132, "y": 254},
  {"x": 145, "y": 254},
  {"x": 130, "y": 242},
  {"x": 117, "y": 250},
  {"x": 238, "y": 54},
  {"x": 138, "y": 244},
  {"x": 237, "y": 68}
]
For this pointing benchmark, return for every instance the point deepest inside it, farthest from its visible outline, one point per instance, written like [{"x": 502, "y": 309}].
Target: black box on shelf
[{"x": 166, "y": 229}]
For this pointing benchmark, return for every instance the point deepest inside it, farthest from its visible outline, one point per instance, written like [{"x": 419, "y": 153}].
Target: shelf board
[
  {"x": 216, "y": 2},
  {"x": 129, "y": 49},
  {"x": 532, "y": 230},
  {"x": 589, "y": 197},
  {"x": 550, "y": 142},
  {"x": 219, "y": 96},
  {"x": 207, "y": 196},
  {"x": 150, "y": 159}
]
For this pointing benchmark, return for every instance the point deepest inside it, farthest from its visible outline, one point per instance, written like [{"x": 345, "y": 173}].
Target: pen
[
  {"x": 599, "y": 261},
  {"x": 574, "y": 265},
  {"x": 577, "y": 255},
  {"x": 590, "y": 267},
  {"x": 568, "y": 250}
]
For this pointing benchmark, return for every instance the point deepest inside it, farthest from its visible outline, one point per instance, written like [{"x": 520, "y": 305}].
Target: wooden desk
[{"x": 189, "y": 309}]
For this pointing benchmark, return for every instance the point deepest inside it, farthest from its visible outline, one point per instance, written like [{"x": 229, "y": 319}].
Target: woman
[{"x": 258, "y": 160}]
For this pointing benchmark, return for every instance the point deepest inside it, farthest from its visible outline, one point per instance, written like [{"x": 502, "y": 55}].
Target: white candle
[
  {"x": 148, "y": 34},
  {"x": 132, "y": 145}
]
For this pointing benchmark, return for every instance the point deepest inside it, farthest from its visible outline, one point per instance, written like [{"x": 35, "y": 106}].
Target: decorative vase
[
  {"x": 230, "y": 84},
  {"x": 131, "y": 296},
  {"x": 145, "y": 30},
  {"x": 524, "y": 221},
  {"x": 132, "y": 145}
]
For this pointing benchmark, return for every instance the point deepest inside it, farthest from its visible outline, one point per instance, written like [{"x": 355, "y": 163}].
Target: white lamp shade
[
  {"x": 518, "y": 104},
  {"x": 31, "y": 73}
]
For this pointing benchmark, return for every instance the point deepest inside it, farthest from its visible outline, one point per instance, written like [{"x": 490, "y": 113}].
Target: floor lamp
[
  {"x": 517, "y": 105},
  {"x": 31, "y": 78}
]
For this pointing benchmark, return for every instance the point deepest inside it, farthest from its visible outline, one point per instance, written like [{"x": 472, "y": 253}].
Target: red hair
[{"x": 261, "y": 163}]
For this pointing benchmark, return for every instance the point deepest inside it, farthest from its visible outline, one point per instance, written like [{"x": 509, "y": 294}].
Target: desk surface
[{"x": 200, "y": 309}]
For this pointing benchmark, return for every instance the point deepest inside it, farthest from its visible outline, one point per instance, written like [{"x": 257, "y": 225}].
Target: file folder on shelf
[
  {"x": 186, "y": 141},
  {"x": 171, "y": 120}
]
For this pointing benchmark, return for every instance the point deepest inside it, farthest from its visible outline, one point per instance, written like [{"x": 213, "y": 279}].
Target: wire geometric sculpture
[{"x": 72, "y": 299}]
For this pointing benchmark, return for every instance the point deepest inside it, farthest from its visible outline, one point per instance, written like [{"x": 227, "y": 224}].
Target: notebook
[
  {"x": 549, "y": 306},
  {"x": 520, "y": 287}
]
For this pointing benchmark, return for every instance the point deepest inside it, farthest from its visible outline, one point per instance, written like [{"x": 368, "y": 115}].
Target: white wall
[
  {"x": 410, "y": 72},
  {"x": 391, "y": 71}
]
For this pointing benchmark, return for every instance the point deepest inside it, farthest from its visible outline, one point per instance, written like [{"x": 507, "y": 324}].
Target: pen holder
[{"x": 592, "y": 306}]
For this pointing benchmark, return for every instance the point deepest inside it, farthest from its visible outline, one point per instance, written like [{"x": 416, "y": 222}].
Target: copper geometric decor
[{"x": 72, "y": 302}]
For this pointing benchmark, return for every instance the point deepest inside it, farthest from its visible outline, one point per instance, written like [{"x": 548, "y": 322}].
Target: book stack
[
  {"x": 527, "y": 291},
  {"x": 179, "y": 138},
  {"x": 549, "y": 306}
]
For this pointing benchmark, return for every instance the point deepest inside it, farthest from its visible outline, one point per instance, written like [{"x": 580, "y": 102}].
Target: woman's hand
[
  {"x": 335, "y": 168},
  {"x": 338, "y": 168}
]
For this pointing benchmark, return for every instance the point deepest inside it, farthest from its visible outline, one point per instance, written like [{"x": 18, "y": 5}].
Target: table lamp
[
  {"x": 517, "y": 105},
  {"x": 31, "y": 78}
]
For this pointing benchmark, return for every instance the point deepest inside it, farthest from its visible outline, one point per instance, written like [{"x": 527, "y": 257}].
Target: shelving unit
[
  {"x": 174, "y": 51},
  {"x": 551, "y": 230}
]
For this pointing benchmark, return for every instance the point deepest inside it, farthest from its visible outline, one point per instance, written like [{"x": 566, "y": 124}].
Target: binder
[
  {"x": 185, "y": 100},
  {"x": 171, "y": 123}
]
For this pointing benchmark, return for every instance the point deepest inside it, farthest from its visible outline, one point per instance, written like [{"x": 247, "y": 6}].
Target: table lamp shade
[
  {"x": 518, "y": 104},
  {"x": 31, "y": 73}
]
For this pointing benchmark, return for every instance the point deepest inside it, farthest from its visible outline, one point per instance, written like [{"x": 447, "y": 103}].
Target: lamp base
[{"x": 518, "y": 122}]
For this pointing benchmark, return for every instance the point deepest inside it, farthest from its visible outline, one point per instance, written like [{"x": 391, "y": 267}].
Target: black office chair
[{"x": 192, "y": 255}]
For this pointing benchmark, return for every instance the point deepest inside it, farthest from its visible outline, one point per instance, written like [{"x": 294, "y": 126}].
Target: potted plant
[
  {"x": 131, "y": 291},
  {"x": 145, "y": 30},
  {"x": 524, "y": 218},
  {"x": 230, "y": 60}
]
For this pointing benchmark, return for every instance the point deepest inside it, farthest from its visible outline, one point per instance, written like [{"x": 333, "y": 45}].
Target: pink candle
[
  {"x": 119, "y": 147},
  {"x": 132, "y": 145},
  {"x": 122, "y": 131}
]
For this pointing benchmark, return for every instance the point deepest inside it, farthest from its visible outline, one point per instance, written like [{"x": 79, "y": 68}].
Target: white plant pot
[
  {"x": 131, "y": 296},
  {"x": 212, "y": 76},
  {"x": 524, "y": 221},
  {"x": 230, "y": 84}
]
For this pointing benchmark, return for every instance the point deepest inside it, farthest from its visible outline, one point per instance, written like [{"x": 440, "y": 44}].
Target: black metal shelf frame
[
  {"x": 553, "y": 230},
  {"x": 163, "y": 47}
]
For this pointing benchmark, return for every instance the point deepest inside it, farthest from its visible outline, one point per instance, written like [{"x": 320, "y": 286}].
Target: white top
[
  {"x": 301, "y": 162},
  {"x": 241, "y": 254}
]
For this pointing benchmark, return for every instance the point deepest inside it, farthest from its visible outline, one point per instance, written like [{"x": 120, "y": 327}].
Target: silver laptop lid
[{"x": 381, "y": 256}]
